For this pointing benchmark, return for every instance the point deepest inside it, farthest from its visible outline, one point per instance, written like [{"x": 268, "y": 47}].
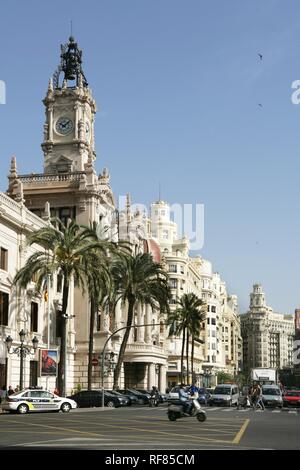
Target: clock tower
[{"x": 70, "y": 110}]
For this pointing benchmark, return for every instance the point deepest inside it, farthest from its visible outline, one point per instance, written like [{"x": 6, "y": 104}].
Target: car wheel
[
  {"x": 23, "y": 409},
  {"x": 201, "y": 417},
  {"x": 65, "y": 407},
  {"x": 110, "y": 404}
]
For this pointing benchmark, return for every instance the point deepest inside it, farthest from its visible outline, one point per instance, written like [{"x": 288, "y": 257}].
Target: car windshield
[
  {"x": 222, "y": 391},
  {"x": 292, "y": 394},
  {"x": 270, "y": 391}
]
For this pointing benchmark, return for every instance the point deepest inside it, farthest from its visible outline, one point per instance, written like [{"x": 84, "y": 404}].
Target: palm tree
[
  {"x": 138, "y": 279},
  {"x": 65, "y": 248},
  {"x": 186, "y": 320},
  {"x": 98, "y": 284}
]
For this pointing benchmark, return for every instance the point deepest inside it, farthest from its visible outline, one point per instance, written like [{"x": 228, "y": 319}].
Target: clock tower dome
[{"x": 70, "y": 110}]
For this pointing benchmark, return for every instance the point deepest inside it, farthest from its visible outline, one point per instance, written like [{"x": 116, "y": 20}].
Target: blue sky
[{"x": 178, "y": 86}]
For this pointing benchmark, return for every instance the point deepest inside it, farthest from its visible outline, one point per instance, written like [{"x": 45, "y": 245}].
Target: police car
[{"x": 37, "y": 400}]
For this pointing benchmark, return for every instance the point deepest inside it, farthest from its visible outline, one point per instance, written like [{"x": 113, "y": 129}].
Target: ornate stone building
[
  {"x": 267, "y": 335},
  {"x": 70, "y": 188},
  {"x": 26, "y": 309}
]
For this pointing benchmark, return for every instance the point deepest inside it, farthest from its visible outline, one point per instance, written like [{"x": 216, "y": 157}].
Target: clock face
[{"x": 64, "y": 125}]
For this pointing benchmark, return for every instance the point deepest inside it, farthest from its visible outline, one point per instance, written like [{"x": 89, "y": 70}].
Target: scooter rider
[
  {"x": 184, "y": 399},
  {"x": 154, "y": 393}
]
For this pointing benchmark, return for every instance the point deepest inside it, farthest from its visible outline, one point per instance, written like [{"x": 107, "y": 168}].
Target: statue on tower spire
[{"x": 71, "y": 64}]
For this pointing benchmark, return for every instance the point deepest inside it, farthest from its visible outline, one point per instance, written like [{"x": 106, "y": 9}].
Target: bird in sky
[
  {"x": 260, "y": 56},
  {"x": 259, "y": 104}
]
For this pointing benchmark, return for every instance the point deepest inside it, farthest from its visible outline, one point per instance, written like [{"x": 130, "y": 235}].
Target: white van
[{"x": 225, "y": 394}]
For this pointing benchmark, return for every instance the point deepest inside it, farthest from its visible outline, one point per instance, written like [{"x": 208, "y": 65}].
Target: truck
[{"x": 264, "y": 375}]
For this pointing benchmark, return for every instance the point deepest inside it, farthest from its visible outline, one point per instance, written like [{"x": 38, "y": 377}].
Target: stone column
[
  {"x": 140, "y": 321},
  {"x": 151, "y": 375},
  {"x": 50, "y": 123},
  {"x": 76, "y": 121},
  {"x": 118, "y": 316},
  {"x": 162, "y": 378},
  {"x": 148, "y": 322}
]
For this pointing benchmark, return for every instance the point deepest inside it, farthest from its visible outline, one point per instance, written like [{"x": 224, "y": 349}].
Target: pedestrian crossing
[{"x": 247, "y": 410}]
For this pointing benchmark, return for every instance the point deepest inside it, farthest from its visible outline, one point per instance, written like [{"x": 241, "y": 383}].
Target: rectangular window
[
  {"x": 173, "y": 283},
  {"x": 213, "y": 321},
  {"x": 208, "y": 308},
  {"x": 208, "y": 358},
  {"x": 34, "y": 313},
  {"x": 3, "y": 259},
  {"x": 4, "y": 302},
  {"x": 66, "y": 213},
  {"x": 98, "y": 321},
  {"x": 213, "y": 309},
  {"x": 173, "y": 268},
  {"x": 165, "y": 234},
  {"x": 213, "y": 333},
  {"x": 208, "y": 321}
]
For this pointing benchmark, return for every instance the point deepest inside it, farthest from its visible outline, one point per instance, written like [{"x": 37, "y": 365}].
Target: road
[{"x": 149, "y": 428}]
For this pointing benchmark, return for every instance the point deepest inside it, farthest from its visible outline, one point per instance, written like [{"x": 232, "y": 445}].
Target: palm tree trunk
[
  {"x": 182, "y": 355},
  {"x": 62, "y": 366},
  {"x": 91, "y": 342},
  {"x": 192, "y": 357},
  {"x": 117, "y": 372},
  {"x": 187, "y": 358}
]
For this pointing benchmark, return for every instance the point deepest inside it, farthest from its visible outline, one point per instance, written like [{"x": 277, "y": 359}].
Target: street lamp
[{"x": 21, "y": 351}]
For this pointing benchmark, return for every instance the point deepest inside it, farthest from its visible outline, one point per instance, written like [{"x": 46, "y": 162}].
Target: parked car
[
  {"x": 133, "y": 399},
  {"x": 37, "y": 400},
  {"x": 291, "y": 398},
  {"x": 120, "y": 395},
  {"x": 88, "y": 398},
  {"x": 225, "y": 394},
  {"x": 272, "y": 396},
  {"x": 142, "y": 399}
]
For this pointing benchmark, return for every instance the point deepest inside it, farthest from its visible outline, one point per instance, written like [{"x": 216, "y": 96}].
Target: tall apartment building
[
  {"x": 221, "y": 347},
  {"x": 267, "y": 335}
]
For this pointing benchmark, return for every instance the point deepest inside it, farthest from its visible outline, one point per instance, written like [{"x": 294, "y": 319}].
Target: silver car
[
  {"x": 272, "y": 396},
  {"x": 37, "y": 400}
]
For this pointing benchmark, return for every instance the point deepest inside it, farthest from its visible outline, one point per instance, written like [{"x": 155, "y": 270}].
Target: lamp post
[
  {"x": 21, "y": 351},
  {"x": 104, "y": 347}
]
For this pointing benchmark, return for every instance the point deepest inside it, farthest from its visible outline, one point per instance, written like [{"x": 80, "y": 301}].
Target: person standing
[{"x": 10, "y": 390}]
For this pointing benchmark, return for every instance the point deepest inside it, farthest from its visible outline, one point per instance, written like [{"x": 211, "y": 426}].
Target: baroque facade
[
  {"x": 70, "y": 187},
  {"x": 267, "y": 335},
  {"x": 220, "y": 345},
  {"x": 27, "y": 309}
]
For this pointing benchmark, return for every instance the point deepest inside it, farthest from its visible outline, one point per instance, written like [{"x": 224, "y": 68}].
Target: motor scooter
[
  {"x": 176, "y": 411},
  {"x": 153, "y": 401}
]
